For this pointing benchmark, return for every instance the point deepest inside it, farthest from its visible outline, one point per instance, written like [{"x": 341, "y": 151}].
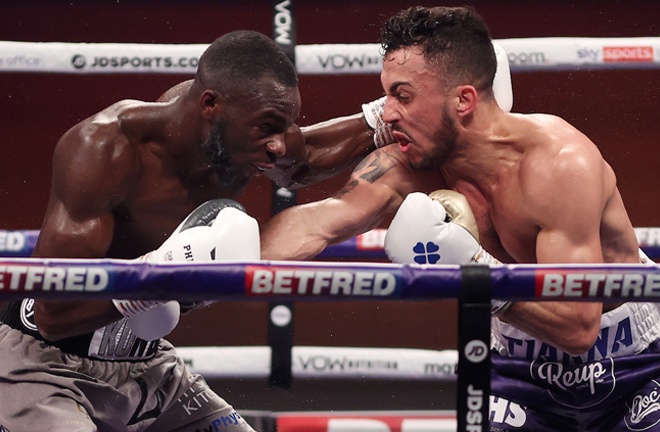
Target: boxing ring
[{"x": 472, "y": 285}]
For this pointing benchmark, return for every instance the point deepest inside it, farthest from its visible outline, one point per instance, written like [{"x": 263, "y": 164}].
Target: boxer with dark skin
[
  {"x": 138, "y": 211},
  {"x": 123, "y": 180}
]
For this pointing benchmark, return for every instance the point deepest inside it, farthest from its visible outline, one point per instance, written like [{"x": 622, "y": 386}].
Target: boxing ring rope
[
  {"x": 312, "y": 361},
  {"x": 524, "y": 54}
]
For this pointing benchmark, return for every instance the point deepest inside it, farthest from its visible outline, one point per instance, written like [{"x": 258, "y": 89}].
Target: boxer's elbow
[
  {"x": 50, "y": 326},
  {"x": 581, "y": 336},
  {"x": 56, "y": 320},
  {"x": 578, "y": 344}
]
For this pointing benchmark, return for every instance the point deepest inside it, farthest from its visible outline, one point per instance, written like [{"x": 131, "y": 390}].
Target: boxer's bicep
[
  {"x": 564, "y": 194},
  {"x": 569, "y": 228}
]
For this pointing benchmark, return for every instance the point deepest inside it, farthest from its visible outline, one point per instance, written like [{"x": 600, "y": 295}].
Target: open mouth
[{"x": 403, "y": 141}]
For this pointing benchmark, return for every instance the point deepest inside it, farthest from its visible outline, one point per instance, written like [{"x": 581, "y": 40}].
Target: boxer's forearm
[
  {"x": 290, "y": 235},
  {"x": 338, "y": 144},
  {"x": 569, "y": 326},
  {"x": 57, "y": 319},
  {"x": 323, "y": 150}
]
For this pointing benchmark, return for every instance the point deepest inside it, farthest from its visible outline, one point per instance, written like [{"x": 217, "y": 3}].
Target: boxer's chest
[
  {"x": 504, "y": 230},
  {"x": 148, "y": 217}
]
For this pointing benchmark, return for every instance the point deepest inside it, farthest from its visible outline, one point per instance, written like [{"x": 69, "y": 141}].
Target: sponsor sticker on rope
[
  {"x": 35, "y": 278},
  {"x": 584, "y": 283},
  {"x": 304, "y": 281},
  {"x": 621, "y": 54}
]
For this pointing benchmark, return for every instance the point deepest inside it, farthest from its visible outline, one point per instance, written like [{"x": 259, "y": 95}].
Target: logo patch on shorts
[
  {"x": 644, "y": 408},
  {"x": 27, "y": 316},
  {"x": 576, "y": 386}
]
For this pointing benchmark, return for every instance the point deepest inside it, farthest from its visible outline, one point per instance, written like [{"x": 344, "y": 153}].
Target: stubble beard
[
  {"x": 444, "y": 140},
  {"x": 216, "y": 150}
]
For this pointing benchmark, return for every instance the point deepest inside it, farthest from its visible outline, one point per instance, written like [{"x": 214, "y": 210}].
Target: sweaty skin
[
  {"x": 540, "y": 190},
  {"x": 123, "y": 179},
  {"x": 139, "y": 171}
]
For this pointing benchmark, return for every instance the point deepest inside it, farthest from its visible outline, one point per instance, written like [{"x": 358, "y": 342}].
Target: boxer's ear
[
  {"x": 466, "y": 100},
  {"x": 209, "y": 103}
]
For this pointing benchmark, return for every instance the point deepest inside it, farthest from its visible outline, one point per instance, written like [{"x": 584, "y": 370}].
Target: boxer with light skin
[{"x": 538, "y": 191}]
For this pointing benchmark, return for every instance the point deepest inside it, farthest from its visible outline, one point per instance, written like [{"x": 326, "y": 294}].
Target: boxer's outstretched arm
[
  {"x": 374, "y": 190},
  {"x": 321, "y": 151},
  {"x": 88, "y": 179}
]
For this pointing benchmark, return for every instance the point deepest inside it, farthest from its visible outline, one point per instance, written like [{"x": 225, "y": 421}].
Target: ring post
[
  {"x": 473, "y": 386},
  {"x": 280, "y": 329}
]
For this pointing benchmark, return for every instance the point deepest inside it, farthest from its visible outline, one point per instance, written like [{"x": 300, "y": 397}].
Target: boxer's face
[
  {"x": 418, "y": 108},
  {"x": 249, "y": 135}
]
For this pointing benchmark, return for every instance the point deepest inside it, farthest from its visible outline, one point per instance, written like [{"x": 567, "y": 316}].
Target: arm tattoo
[
  {"x": 373, "y": 167},
  {"x": 346, "y": 189},
  {"x": 370, "y": 170}
]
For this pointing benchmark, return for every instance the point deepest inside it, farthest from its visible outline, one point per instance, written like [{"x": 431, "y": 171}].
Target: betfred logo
[
  {"x": 573, "y": 284},
  {"x": 31, "y": 278},
  {"x": 627, "y": 54},
  {"x": 270, "y": 280}
]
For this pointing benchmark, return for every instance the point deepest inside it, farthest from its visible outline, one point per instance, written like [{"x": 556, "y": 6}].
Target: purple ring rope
[{"x": 293, "y": 280}]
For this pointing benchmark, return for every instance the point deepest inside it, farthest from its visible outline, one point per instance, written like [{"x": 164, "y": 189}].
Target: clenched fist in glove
[
  {"x": 218, "y": 230},
  {"x": 438, "y": 228}
]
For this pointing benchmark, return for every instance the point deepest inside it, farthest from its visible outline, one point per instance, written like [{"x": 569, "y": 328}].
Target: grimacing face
[
  {"x": 418, "y": 107},
  {"x": 248, "y": 137}
]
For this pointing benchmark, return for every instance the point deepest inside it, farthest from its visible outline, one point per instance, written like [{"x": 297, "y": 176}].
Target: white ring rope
[
  {"x": 524, "y": 54},
  {"x": 314, "y": 362}
]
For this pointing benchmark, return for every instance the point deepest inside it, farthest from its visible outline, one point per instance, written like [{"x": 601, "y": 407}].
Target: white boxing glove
[
  {"x": 217, "y": 230},
  {"x": 373, "y": 114},
  {"x": 438, "y": 228},
  {"x": 502, "y": 87}
]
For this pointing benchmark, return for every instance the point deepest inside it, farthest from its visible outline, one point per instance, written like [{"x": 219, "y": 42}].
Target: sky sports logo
[
  {"x": 286, "y": 281},
  {"x": 624, "y": 54},
  {"x": 584, "y": 284}
]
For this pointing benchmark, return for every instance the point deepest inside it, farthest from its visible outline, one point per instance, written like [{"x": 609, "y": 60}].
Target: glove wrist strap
[{"x": 130, "y": 308}]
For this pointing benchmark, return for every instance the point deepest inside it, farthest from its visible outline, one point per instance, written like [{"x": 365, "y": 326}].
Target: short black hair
[
  {"x": 454, "y": 40},
  {"x": 237, "y": 59}
]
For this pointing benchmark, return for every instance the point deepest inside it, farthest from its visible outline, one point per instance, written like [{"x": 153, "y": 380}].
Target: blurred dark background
[{"x": 617, "y": 109}]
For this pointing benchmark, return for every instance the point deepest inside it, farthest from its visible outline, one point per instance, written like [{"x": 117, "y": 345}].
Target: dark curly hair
[{"x": 455, "y": 42}]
